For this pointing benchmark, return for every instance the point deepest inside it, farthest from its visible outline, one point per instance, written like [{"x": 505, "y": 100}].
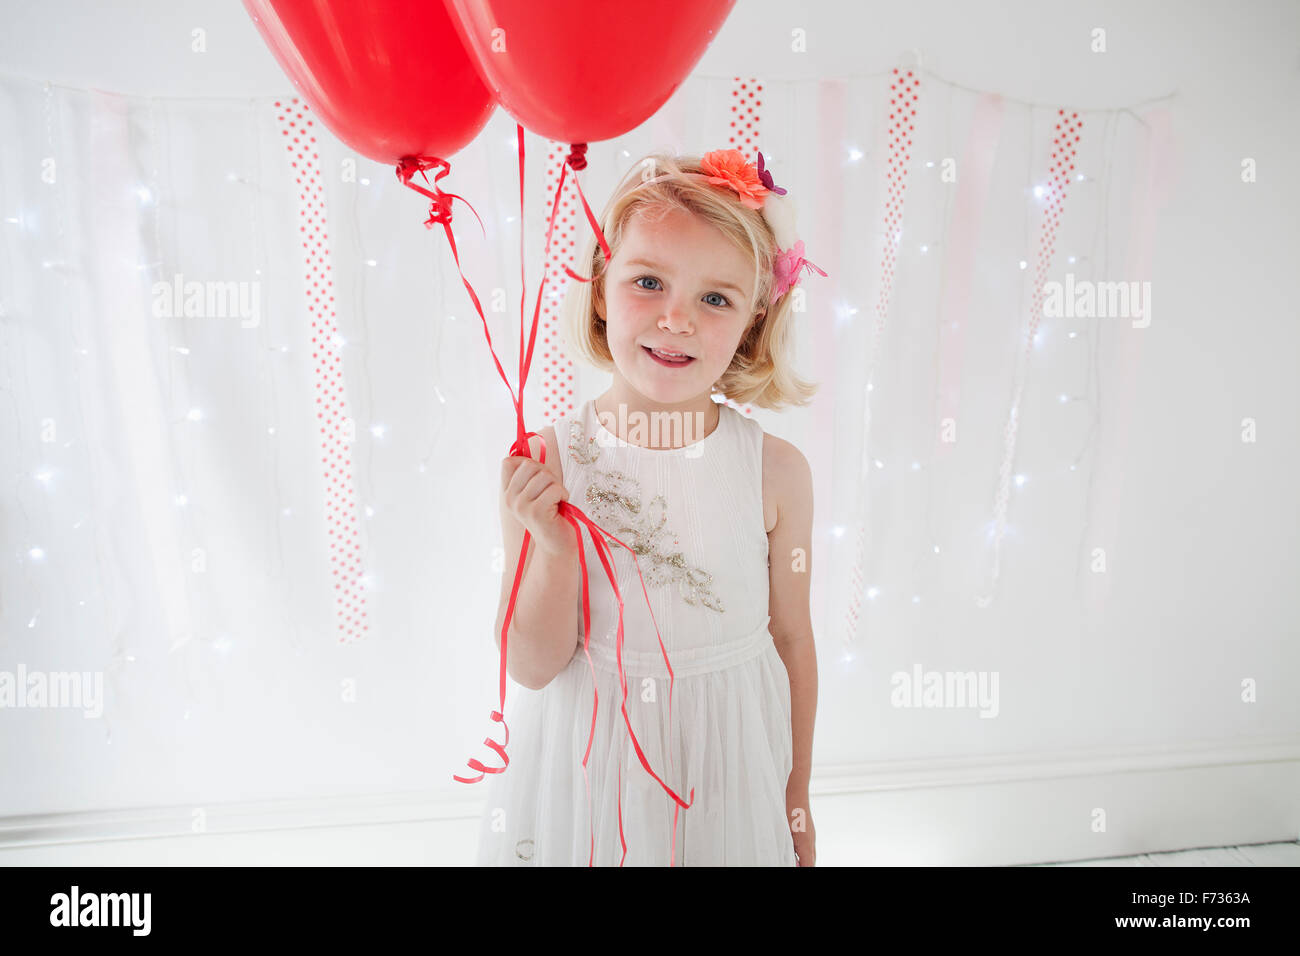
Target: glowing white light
[
  {"x": 13, "y": 219},
  {"x": 1080, "y": 177},
  {"x": 878, "y": 463},
  {"x": 184, "y": 350},
  {"x": 372, "y": 262},
  {"x": 871, "y": 593},
  {"x": 271, "y": 430},
  {"x": 1038, "y": 192},
  {"x": 1073, "y": 334},
  {"x": 44, "y": 476},
  {"x": 1023, "y": 264},
  {"x": 365, "y": 181},
  {"x": 1020, "y": 480},
  {"x": 916, "y": 466},
  {"x": 929, "y": 163},
  {"x": 144, "y": 194},
  {"x": 36, "y": 554},
  {"x": 286, "y": 511},
  {"x": 925, "y": 248},
  {"x": 916, "y": 599},
  {"x": 195, "y": 414},
  {"x": 182, "y": 501},
  {"x": 222, "y": 644},
  {"x": 367, "y": 582},
  {"x": 32, "y": 622},
  {"x": 838, "y": 531},
  {"x": 1064, "y": 398},
  {"x": 854, "y": 154},
  {"x": 936, "y": 549},
  {"x": 338, "y": 341},
  {"x": 1071, "y": 259},
  {"x": 438, "y": 392},
  {"x": 370, "y": 512},
  {"x": 378, "y": 430}
]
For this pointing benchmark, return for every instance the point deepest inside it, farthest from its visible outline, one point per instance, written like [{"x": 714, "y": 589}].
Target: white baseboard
[{"x": 990, "y": 810}]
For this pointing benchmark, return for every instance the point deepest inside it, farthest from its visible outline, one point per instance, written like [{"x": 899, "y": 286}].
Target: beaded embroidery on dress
[{"x": 693, "y": 516}]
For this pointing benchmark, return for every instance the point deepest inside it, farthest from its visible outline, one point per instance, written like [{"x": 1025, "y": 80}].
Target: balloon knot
[
  {"x": 578, "y": 156},
  {"x": 440, "y": 202}
]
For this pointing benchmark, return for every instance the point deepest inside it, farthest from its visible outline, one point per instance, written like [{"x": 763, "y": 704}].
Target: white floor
[
  {"x": 1259, "y": 854},
  {"x": 441, "y": 846}
]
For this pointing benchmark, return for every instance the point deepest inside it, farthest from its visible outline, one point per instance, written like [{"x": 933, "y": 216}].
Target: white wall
[{"x": 1203, "y": 593}]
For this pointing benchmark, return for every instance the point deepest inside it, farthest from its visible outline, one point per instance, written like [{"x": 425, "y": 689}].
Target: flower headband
[{"x": 754, "y": 185}]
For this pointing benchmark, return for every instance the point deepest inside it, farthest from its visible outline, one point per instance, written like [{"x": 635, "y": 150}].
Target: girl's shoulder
[
  {"x": 779, "y": 454},
  {"x": 785, "y": 467}
]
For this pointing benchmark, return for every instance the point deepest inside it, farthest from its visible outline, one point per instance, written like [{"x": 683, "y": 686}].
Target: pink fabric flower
[
  {"x": 788, "y": 265},
  {"x": 766, "y": 177},
  {"x": 728, "y": 167}
]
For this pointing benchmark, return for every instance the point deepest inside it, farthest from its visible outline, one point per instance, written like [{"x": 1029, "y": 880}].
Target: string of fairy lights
[{"x": 150, "y": 195}]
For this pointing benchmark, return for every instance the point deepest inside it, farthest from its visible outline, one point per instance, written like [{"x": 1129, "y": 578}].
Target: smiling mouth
[{"x": 668, "y": 358}]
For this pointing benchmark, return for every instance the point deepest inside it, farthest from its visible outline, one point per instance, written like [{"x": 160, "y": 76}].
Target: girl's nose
[{"x": 675, "y": 319}]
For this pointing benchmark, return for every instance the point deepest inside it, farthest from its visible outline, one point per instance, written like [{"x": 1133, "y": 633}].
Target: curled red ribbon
[{"x": 440, "y": 213}]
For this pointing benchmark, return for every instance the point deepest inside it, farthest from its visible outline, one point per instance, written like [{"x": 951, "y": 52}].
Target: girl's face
[{"x": 677, "y": 284}]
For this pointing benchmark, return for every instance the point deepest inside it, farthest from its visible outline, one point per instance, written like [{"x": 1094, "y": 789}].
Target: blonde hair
[{"x": 760, "y": 372}]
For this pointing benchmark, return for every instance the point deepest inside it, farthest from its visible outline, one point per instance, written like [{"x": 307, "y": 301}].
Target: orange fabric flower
[{"x": 728, "y": 167}]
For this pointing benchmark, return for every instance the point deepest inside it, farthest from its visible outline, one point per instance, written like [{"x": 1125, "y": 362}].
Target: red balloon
[
  {"x": 578, "y": 71},
  {"x": 388, "y": 77}
]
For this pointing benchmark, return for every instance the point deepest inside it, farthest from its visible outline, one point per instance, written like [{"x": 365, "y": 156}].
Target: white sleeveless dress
[{"x": 694, "y": 517}]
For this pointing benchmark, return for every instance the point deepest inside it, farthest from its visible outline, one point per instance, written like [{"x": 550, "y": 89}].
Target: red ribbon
[{"x": 440, "y": 212}]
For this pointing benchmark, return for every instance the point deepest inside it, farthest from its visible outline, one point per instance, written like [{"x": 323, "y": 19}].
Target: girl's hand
[
  {"x": 532, "y": 495},
  {"x": 799, "y": 818}
]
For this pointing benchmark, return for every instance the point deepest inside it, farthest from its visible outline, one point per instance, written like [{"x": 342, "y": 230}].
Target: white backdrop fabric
[{"x": 164, "y": 507}]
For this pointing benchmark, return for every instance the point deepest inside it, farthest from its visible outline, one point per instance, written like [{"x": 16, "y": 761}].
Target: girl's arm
[
  {"x": 788, "y": 479},
  {"x": 543, "y": 628}
]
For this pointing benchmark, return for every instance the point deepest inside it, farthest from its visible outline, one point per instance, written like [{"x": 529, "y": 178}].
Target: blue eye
[{"x": 721, "y": 305}]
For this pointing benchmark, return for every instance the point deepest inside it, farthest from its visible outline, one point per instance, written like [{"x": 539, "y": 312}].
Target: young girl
[{"x": 694, "y": 302}]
